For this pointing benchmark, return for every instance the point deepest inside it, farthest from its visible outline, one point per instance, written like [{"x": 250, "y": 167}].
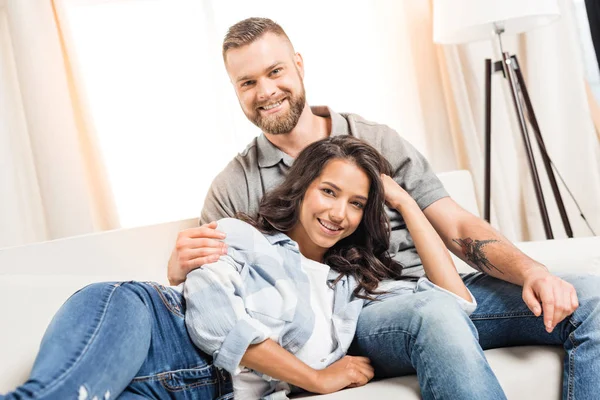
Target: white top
[
  {"x": 321, "y": 343},
  {"x": 317, "y": 351}
]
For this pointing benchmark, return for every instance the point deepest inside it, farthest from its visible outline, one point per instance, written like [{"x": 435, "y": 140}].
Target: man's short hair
[{"x": 250, "y": 30}]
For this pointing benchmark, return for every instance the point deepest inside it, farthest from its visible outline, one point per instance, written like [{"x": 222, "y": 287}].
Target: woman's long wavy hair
[{"x": 363, "y": 254}]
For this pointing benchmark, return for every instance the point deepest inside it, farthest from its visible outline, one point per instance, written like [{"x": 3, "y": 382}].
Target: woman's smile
[{"x": 329, "y": 227}]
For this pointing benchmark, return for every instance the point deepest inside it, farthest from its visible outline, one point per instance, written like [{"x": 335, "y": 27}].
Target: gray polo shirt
[{"x": 262, "y": 166}]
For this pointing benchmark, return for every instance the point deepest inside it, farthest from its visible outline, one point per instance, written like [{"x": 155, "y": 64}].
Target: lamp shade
[{"x": 460, "y": 21}]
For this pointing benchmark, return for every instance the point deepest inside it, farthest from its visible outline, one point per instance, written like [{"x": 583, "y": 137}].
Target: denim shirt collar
[{"x": 284, "y": 240}]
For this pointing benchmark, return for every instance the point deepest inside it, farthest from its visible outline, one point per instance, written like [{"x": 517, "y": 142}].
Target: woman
[
  {"x": 271, "y": 304},
  {"x": 295, "y": 280}
]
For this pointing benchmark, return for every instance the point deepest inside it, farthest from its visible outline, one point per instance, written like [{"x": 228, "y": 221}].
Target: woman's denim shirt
[{"x": 260, "y": 291}]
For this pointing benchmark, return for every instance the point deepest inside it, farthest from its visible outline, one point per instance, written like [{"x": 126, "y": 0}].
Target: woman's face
[{"x": 332, "y": 208}]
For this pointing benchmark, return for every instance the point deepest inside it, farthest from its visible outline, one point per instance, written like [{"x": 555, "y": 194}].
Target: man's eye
[
  {"x": 247, "y": 83},
  {"x": 276, "y": 71}
]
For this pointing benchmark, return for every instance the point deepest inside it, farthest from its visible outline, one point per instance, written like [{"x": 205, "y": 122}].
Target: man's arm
[
  {"x": 478, "y": 244},
  {"x": 485, "y": 249},
  {"x": 195, "y": 247}
]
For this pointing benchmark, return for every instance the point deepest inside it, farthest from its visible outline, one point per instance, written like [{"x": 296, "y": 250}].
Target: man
[{"x": 519, "y": 301}]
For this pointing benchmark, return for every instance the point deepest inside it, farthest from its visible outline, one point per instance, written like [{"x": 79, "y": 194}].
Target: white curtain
[
  {"x": 53, "y": 183},
  {"x": 376, "y": 59}
]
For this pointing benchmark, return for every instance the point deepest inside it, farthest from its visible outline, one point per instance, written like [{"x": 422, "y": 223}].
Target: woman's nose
[{"x": 337, "y": 212}]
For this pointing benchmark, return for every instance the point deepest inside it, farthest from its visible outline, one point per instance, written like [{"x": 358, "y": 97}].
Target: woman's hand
[
  {"x": 395, "y": 195},
  {"x": 348, "y": 372}
]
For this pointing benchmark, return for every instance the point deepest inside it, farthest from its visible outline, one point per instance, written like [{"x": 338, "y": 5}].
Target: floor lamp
[{"x": 461, "y": 21}]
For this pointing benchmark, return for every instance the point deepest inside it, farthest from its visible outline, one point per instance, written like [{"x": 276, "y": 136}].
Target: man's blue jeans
[
  {"x": 125, "y": 341},
  {"x": 429, "y": 334}
]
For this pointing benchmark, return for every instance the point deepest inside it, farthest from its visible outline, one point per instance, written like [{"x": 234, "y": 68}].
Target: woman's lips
[{"x": 327, "y": 227}]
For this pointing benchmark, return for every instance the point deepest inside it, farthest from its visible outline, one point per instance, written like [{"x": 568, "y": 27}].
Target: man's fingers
[
  {"x": 560, "y": 306},
  {"x": 196, "y": 263},
  {"x": 204, "y": 231},
  {"x": 185, "y": 243},
  {"x": 532, "y": 302},
  {"x": 574, "y": 300},
  {"x": 547, "y": 297},
  {"x": 208, "y": 259},
  {"x": 205, "y": 243},
  {"x": 191, "y": 254}
]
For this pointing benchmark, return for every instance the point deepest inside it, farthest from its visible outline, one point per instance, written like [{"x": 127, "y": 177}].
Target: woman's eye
[
  {"x": 328, "y": 191},
  {"x": 358, "y": 204}
]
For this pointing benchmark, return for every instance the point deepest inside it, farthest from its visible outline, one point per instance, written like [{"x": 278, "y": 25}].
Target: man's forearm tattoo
[{"x": 475, "y": 255}]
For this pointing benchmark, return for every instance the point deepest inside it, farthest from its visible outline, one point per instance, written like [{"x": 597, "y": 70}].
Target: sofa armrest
[{"x": 577, "y": 255}]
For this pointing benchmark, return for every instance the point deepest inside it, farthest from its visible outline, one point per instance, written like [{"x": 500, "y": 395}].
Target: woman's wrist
[{"x": 404, "y": 205}]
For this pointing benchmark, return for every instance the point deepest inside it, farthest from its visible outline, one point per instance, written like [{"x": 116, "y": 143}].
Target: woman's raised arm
[{"x": 436, "y": 259}]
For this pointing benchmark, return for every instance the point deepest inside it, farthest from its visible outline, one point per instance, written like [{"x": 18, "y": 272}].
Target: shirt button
[{"x": 322, "y": 359}]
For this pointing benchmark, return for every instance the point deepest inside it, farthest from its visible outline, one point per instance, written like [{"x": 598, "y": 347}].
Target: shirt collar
[
  {"x": 281, "y": 239},
  {"x": 284, "y": 240},
  {"x": 269, "y": 155}
]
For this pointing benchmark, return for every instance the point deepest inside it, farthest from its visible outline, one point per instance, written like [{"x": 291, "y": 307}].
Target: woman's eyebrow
[{"x": 336, "y": 187}]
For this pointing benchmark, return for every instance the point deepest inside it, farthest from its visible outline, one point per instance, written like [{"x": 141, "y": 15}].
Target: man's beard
[{"x": 282, "y": 123}]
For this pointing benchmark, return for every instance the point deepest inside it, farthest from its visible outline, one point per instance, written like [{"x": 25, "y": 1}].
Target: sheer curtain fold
[
  {"x": 21, "y": 211},
  {"x": 594, "y": 108},
  {"x": 61, "y": 167}
]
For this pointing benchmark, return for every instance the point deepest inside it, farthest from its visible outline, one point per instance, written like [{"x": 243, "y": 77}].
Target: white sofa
[{"x": 36, "y": 279}]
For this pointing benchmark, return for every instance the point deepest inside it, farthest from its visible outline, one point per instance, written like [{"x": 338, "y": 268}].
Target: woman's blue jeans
[
  {"x": 427, "y": 333},
  {"x": 122, "y": 341}
]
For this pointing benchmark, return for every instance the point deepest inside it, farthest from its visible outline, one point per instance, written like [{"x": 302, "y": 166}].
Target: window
[
  {"x": 166, "y": 117},
  {"x": 152, "y": 83}
]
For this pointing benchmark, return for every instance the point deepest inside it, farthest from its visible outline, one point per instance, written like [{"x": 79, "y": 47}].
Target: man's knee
[
  {"x": 432, "y": 311},
  {"x": 587, "y": 287}
]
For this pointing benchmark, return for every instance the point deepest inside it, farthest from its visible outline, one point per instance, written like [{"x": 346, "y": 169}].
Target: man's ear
[{"x": 299, "y": 62}]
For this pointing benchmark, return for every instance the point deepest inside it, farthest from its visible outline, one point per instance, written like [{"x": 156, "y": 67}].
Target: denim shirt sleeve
[
  {"x": 216, "y": 316},
  {"x": 468, "y": 306}
]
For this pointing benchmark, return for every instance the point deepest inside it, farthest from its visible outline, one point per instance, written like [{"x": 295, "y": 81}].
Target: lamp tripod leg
[
  {"x": 488, "y": 139},
  {"x": 546, "y": 159},
  {"x": 509, "y": 71}
]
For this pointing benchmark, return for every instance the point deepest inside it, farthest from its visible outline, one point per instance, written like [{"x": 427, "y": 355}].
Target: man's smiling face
[{"x": 267, "y": 77}]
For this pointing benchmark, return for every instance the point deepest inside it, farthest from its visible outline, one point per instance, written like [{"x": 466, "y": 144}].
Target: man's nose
[{"x": 266, "y": 89}]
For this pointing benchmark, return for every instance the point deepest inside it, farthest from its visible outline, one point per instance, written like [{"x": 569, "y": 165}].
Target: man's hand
[
  {"x": 558, "y": 298},
  {"x": 194, "y": 248},
  {"x": 348, "y": 372}
]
